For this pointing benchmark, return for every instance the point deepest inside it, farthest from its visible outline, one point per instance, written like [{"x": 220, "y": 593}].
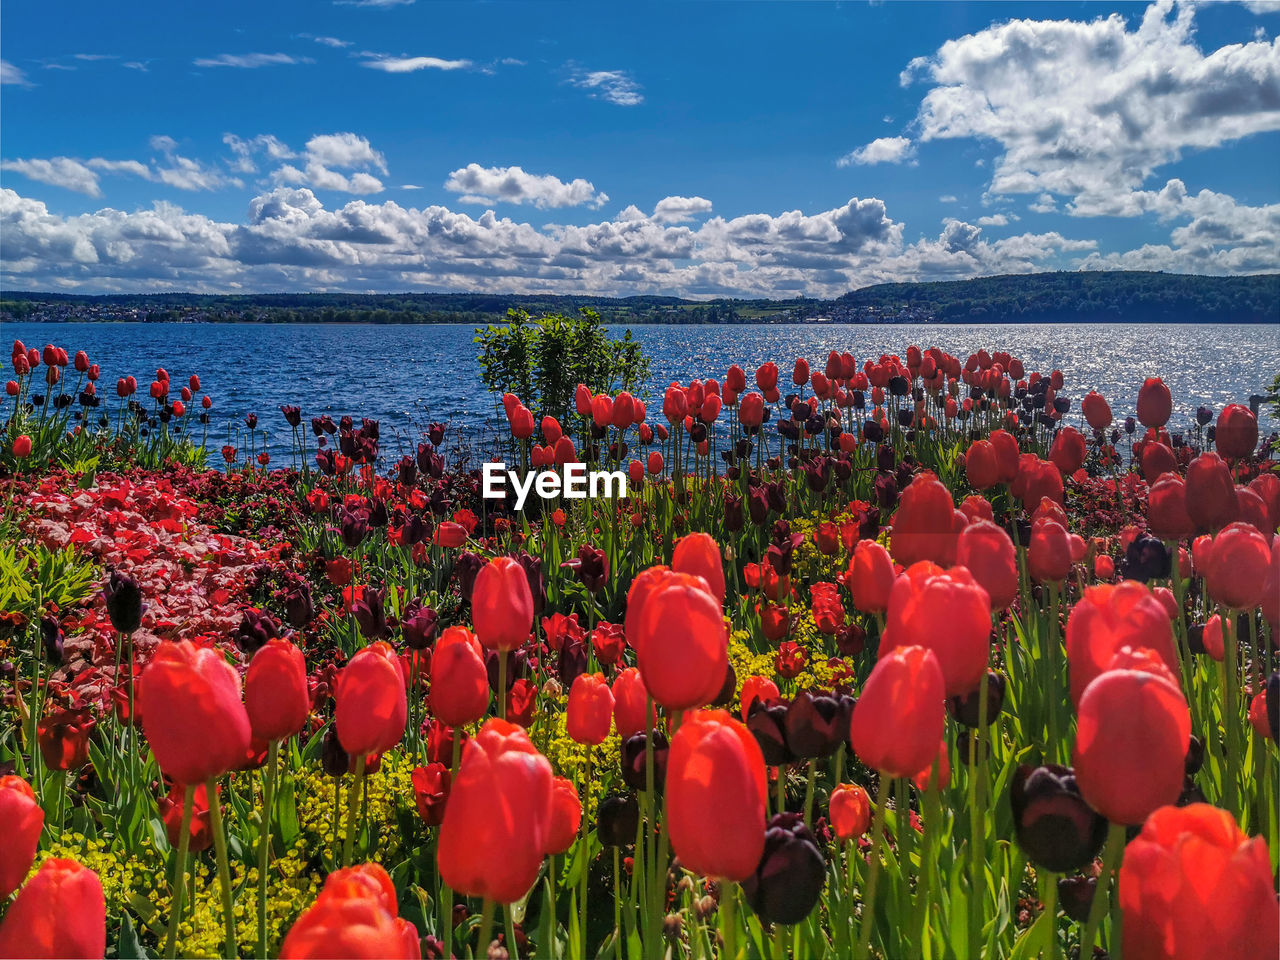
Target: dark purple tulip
[
  {"x": 466, "y": 568},
  {"x": 767, "y": 721},
  {"x": 618, "y": 820},
  {"x": 435, "y": 433},
  {"x": 408, "y": 471},
  {"x": 370, "y": 613},
  {"x": 298, "y": 608},
  {"x": 816, "y": 725},
  {"x": 419, "y": 628},
  {"x": 53, "y": 639},
  {"x": 532, "y": 567},
  {"x": 1054, "y": 826},
  {"x": 965, "y": 708},
  {"x": 333, "y": 758},
  {"x": 634, "y": 765},
  {"x": 256, "y": 628},
  {"x": 591, "y": 566},
  {"x": 354, "y": 528},
  {"x": 789, "y": 878},
  {"x": 292, "y": 415},
  {"x": 123, "y": 596}
]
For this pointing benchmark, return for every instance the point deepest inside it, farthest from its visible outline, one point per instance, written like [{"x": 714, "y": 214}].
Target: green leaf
[{"x": 129, "y": 947}]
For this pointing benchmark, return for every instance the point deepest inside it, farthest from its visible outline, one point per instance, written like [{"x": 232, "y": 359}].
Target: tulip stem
[
  {"x": 1111, "y": 854},
  {"x": 512, "y": 952},
  {"x": 353, "y": 801},
  {"x": 180, "y": 874},
  {"x": 808, "y": 793},
  {"x": 502, "y": 685},
  {"x": 230, "y": 947},
  {"x": 869, "y": 901},
  {"x": 586, "y": 859},
  {"x": 486, "y": 928},
  {"x": 728, "y": 891},
  {"x": 264, "y": 842},
  {"x": 1231, "y": 713}
]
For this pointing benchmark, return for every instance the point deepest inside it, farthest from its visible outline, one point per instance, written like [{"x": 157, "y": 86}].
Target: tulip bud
[
  {"x": 123, "y": 596},
  {"x": 59, "y": 912},
  {"x": 617, "y": 820}
]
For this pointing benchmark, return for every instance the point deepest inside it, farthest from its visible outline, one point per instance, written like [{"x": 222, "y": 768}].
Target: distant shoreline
[{"x": 1020, "y": 321}]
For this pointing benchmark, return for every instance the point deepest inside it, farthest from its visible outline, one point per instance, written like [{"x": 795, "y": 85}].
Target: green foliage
[
  {"x": 542, "y": 361},
  {"x": 1274, "y": 403}
]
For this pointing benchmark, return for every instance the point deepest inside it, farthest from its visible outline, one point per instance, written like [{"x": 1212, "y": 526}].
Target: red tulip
[
  {"x": 800, "y": 372},
  {"x": 1131, "y": 739},
  {"x": 502, "y": 605},
  {"x": 1271, "y": 587},
  {"x": 459, "y": 680},
  {"x": 431, "y": 792},
  {"x": 1235, "y": 571},
  {"x": 682, "y": 642},
  {"x": 566, "y": 816},
  {"x": 1194, "y": 886},
  {"x": 521, "y": 421},
  {"x": 756, "y": 688},
  {"x": 200, "y": 830},
  {"x": 60, "y": 912},
  {"x": 986, "y": 551},
  {"x": 590, "y": 710},
  {"x": 945, "y": 611},
  {"x": 22, "y": 447},
  {"x": 639, "y": 591},
  {"x": 924, "y": 528},
  {"x": 1167, "y": 514},
  {"x": 355, "y": 917},
  {"x": 1108, "y": 618},
  {"x": 1267, "y": 486},
  {"x": 497, "y": 826},
  {"x": 871, "y": 577},
  {"x": 1211, "y": 492},
  {"x": 1096, "y": 410},
  {"x": 1036, "y": 480},
  {"x": 1007, "y": 454},
  {"x": 716, "y": 795},
  {"x": 980, "y": 465},
  {"x": 275, "y": 691},
  {"x": 699, "y": 554},
  {"x": 900, "y": 716},
  {"x": 629, "y": 699},
  {"x": 751, "y": 411},
  {"x": 64, "y": 739},
  {"x": 189, "y": 700},
  {"x": 1155, "y": 404},
  {"x": 1068, "y": 451},
  {"x": 1236, "y": 433},
  {"x": 849, "y": 811},
  {"x": 372, "y": 707},
  {"x": 1049, "y": 553},
  {"x": 23, "y": 820},
  {"x": 450, "y": 534}
]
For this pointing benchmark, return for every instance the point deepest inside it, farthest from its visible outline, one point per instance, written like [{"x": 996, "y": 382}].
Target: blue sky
[{"x": 701, "y": 149}]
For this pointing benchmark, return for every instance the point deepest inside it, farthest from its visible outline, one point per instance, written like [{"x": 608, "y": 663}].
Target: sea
[{"x": 411, "y": 375}]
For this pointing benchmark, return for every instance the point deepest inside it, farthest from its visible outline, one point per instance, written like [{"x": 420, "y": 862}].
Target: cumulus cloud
[
  {"x": 413, "y": 64},
  {"x": 81, "y": 176},
  {"x": 244, "y": 150},
  {"x": 881, "y": 150},
  {"x": 250, "y": 61},
  {"x": 1089, "y": 110},
  {"x": 996, "y": 220},
  {"x": 513, "y": 185},
  {"x": 613, "y": 86},
  {"x": 680, "y": 209},
  {"x": 291, "y": 239},
  {"x": 323, "y": 161}
]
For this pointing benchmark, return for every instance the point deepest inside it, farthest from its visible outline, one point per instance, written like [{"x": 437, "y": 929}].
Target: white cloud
[
  {"x": 513, "y": 185},
  {"x": 1090, "y": 110},
  {"x": 244, "y": 150},
  {"x": 614, "y": 86},
  {"x": 82, "y": 176},
  {"x": 680, "y": 209},
  {"x": 412, "y": 64},
  {"x": 345, "y": 150},
  {"x": 9, "y": 74},
  {"x": 135, "y": 65},
  {"x": 880, "y": 150},
  {"x": 58, "y": 172},
  {"x": 948, "y": 198},
  {"x": 996, "y": 220},
  {"x": 332, "y": 42},
  {"x": 384, "y": 4},
  {"x": 250, "y": 61}
]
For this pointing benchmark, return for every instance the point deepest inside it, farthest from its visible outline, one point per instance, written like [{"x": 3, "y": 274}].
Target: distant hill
[
  {"x": 1132, "y": 296},
  {"x": 1128, "y": 296}
]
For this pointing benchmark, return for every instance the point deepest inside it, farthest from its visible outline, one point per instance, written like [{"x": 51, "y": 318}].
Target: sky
[{"x": 698, "y": 149}]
